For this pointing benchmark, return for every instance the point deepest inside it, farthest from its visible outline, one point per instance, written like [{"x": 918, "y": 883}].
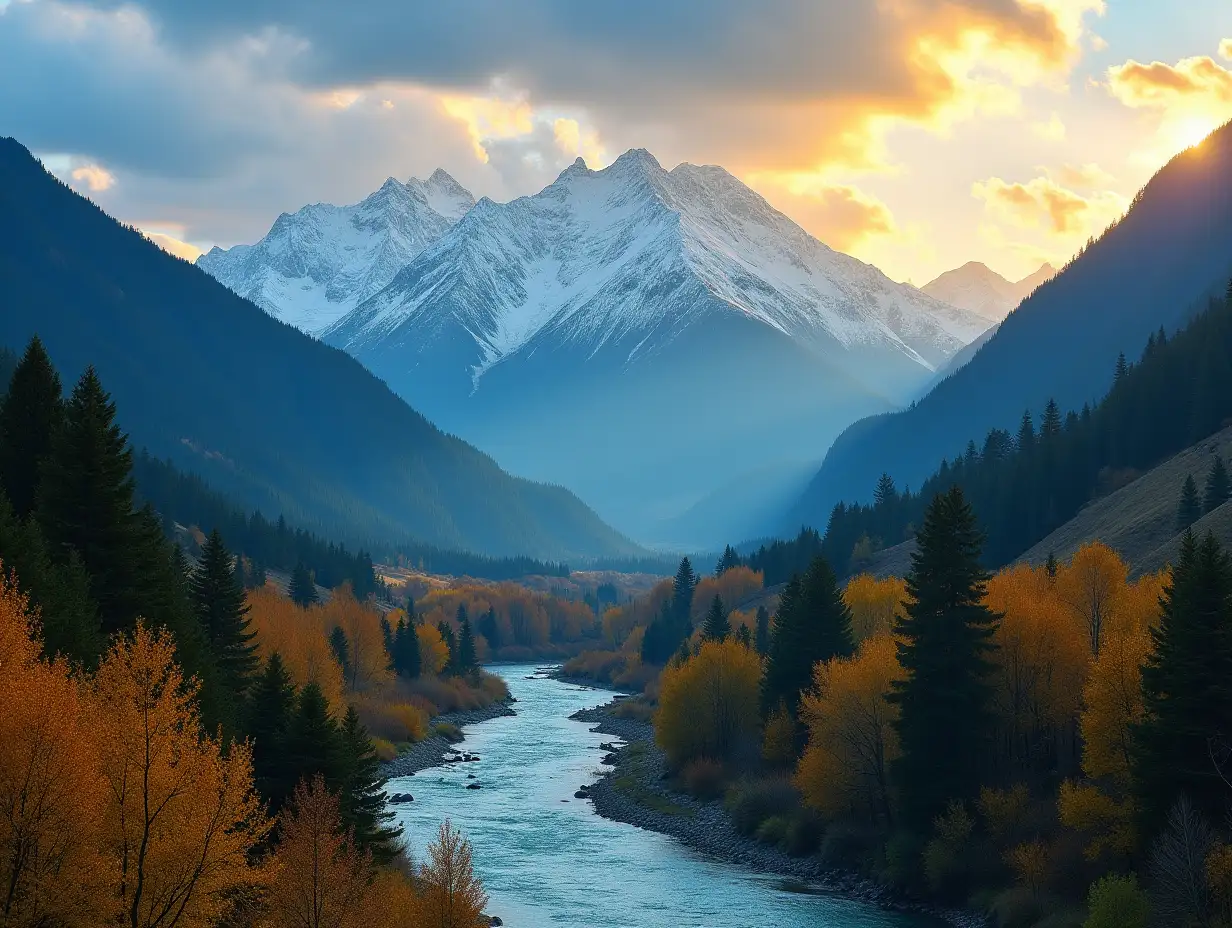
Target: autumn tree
[
  {"x": 299, "y": 638},
  {"x": 29, "y": 417},
  {"x": 433, "y": 648},
  {"x": 945, "y": 697},
  {"x": 367, "y": 664},
  {"x": 716, "y": 627},
  {"x": 182, "y": 817},
  {"x": 812, "y": 624},
  {"x": 845, "y": 769},
  {"x": 51, "y": 792},
  {"x": 321, "y": 879},
  {"x": 874, "y": 604},
  {"x": 219, "y": 603},
  {"x": 1090, "y": 585},
  {"x": 452, "y": 896},
  {"x": 1187, "y": 694},
  {"x": 708, "y": 703}
]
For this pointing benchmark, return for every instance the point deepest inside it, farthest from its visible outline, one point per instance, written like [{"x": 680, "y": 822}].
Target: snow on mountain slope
[
  {"x": 600, "y": 255},
  {"x": 317, "y": 264},
  {"x": 983, "y": 291}
]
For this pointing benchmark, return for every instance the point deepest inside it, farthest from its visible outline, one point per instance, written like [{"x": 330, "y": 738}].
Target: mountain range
[
  {"x": 644, "y": 337},
  {"x": 980, "y": 289},
  {"x": 274, "y": 418},
  {"x": 1151, "y": 270}
]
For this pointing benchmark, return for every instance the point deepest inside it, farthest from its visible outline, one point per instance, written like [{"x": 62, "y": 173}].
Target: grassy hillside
[{"x": 266, "y": 414}]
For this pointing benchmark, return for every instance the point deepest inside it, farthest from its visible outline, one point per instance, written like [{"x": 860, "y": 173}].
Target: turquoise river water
[{"x": 546, "y": 862}]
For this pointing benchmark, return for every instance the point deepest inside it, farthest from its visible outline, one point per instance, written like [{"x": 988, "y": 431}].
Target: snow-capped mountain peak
[
  {"x": 318, "y": 263},
  {"x": 978, "y": 288}
]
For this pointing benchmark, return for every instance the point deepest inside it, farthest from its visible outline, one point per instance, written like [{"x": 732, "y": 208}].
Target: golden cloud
[
  {"x": 498, "y": 116},
  {"x": 1157, "y": 84},
  {"x": 1225, "y": 49},
  {"x": 842, "y": 216},
  {"x": 174, "y": 246},
  {"x": 575, "y": 142},
  {"x": 95, "y": 178},
  {"x": 1042, "y": 203}
]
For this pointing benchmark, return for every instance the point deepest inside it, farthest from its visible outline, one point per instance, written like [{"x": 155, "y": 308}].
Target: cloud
[
  {"x": 1225, "y": 49},
  {"x": 1081, "y": 176},
  {"x": 1053, "y": 129},
  {"x": 1041, "y": 203},
  {"x": 1157, "y": 84},
  {"x": 94, "y": 178},
  {"x": 174, "y": 246}
]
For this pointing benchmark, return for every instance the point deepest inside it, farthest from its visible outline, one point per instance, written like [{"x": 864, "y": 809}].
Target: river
[{"x": 545, "y": 861}]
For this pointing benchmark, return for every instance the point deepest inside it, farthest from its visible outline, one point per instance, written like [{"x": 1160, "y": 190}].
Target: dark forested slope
[
  {"x": 1155, "y": 267},
  {"x": 265, "y": 413}
]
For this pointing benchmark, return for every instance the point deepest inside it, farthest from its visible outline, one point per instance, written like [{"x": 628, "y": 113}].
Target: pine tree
[
  {"x": 1051, "y": 567},
  {"x": 729, "y": 560},
  {"x": 1025, "y": 441},
  {"x": 451, "y": 645},
  {"x": 717, "y": 627},
  {"x": 407, "y": 659},
  {"x": 490, "y": 628},
  {"x": 1218, "y": 486},
  {"x": 762, "y": 639},
  {"x": 363, "y": 794},
  {"x": 303, "y": 590},
  {"x": 1187, "y": 687},
  {"x": 813, "y": 624},
  {"x": 342, "y": 651},
  {"x": 885, "y": 493},
  {"x": 683, "y": 586},
  {"x": 219, "y": 604},
  {"x": 387, "y": 641},
  {"x": 1050, "y": 425},
  {"x": 467, "y": 662},
  {"x": 744, "y": 636},
  {"x": 1122, "y": 368},
  {"x": 1190, "y": 509},
  {"x": 29, "y": 417},
  {"x": 270, "y": 711},
  {"x": 240, "y": 574},
  {"x": 945, "y": 701},
  {"x": 313, "y": 744}
]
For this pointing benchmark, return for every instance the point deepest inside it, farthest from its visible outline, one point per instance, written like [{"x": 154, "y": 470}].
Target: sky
[{"x": 915, "y": 134}]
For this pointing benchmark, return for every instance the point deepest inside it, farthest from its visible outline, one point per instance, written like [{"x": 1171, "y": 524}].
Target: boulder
[
  {"x": 581, "y": 794},
  {"x": 398, "y": 798},
  {"x": 473, "y": 786}
]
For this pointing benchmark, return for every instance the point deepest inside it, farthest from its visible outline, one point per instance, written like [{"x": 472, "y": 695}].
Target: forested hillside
[
  {"x": 1155, "y": 267},
  {"x": 265, "y": 413},
  {"x": 1027, "y": 484}
]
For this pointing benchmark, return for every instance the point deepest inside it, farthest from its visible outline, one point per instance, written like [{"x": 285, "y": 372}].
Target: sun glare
[{"x": 1191, "y": 132}]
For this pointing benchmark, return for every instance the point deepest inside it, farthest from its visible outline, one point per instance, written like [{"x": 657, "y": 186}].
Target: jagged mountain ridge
[
  {"x": 980, "y": 289},
  {"x": 614, "y": 296},
  {"x": 318, "y": 263}
]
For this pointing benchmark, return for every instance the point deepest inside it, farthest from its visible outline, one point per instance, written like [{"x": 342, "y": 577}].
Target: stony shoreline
[
  {"x": 632, "y": 791},
  {"x": 433, "y": 752}
]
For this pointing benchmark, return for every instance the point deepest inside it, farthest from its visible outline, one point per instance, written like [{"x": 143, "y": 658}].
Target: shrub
[
  {"x": 773, "y": 830},
  {"x": 1015, "y": 908},
  {"x": 945, "y": 856},
  {"x": 804, "y": 832},
  {"x": 751, "y": 802},
  {"x": 1003, "y": 810},
  {"x": 778, "y": 743},
  {"x": 1117, "y": 902},
  {"x": 447, "y": 730},
  {"x": 385, "y": 750},
  {"x": 703, "y": 777},
  {"x": 903, "y": 853},
  {"x": 708, "y": 706},
  {"x": 849, "y": 846}
]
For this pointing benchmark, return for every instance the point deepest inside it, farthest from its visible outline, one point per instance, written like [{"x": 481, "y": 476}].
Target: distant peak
[
  {"x": 391, "y": 183},
  {"x": 443, "y": 180},
  {"x": 638, "y": 157}
]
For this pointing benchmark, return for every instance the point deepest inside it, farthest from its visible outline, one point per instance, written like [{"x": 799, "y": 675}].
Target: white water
[{"x": 546, "y": 862}]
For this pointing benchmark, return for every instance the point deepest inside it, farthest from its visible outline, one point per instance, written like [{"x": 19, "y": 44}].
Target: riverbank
[
  {"x": 633, "y": 791},
  {"x": 434, "y": 751}
]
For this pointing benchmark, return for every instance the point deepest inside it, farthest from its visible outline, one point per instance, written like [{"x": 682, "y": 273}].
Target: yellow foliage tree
[
  {"x": 51, "y": 793},
  {"x": 300, "y": 640},
  {"x": 368, "y": 663},
  {"x": 433, "y": 652},
  {"x": 708, "y": 705},
  {"x": 1090, "y": 585},
  {"x": 874, "y": 604},
  {"x": 451, "y": 895},
  {"x": 845, "y": 769},
  {"x": 732, "y": 586},
  {"x": 182, "y": 817}
]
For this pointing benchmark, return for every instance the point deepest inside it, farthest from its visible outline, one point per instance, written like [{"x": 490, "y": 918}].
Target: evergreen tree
[
  {"x": 363, "y": 794},
  {"x": 407, "y": 660},
  {"x": 885, "y": 493},
  {"x": 717, "y": 627},
  {"x": 467, "y": 662},
  {"x": 744, "y": 637},
  {"x": 1051, "y": 567},
  {"x": 1025, "y": 442},
  {"x": 387, "y": 641},
  {"x": 762, "y": 639},
  {"x": 303, "y": 590},
  {"x": 1218, "y": 486},
  {"x": 1050, "y": 425},
  {"x": 813, "y": 624},
  {"x": 313, "y": 743},
  {"x": 29, "y": 417},
  {"x": 451, "y": 645},
  {"x": 222, "y": 612},
  {"x": 1122, "y": 368},
  {"x": 1187, "y": 688},
  {"x": 240, "y": 575},
  {"x": 342, "y": 650},
  {"x": 729, "y": 560},
  {"x": 490, "y": 628},
  {"x": 1190, "y": 509},
  {"x": 683, "y": 586},
  {"x": 270, "y": 711},
  {"x": 945, "y": 701}
]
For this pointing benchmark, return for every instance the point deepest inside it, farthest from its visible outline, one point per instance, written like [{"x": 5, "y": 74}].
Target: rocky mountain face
[{"x": 978, "y": 288}]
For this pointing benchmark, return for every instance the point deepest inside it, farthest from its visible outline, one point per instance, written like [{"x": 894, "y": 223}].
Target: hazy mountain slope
[
  {"x": 983, "y": 291},
  {"x": 1152, "y": 269},
  {"x": 645, "y": 336},
  {"x": 317, "y": 264},
  {"x": 262, "y": 411}
]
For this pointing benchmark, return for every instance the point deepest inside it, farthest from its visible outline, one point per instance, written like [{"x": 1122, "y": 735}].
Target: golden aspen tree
[
  {"x": 51, "y": 793},
  {"x": 181, "y": 817},
  {"x": 320, "y": 880},
  {"x": 433, "y": 652},
  {"x": 300, "y": 640},
  {"x": 845, "y": 769},
  {"x": 733, "y": 586},
  {"x": 367, "y": 662},
  {"x": 708, "y": 706},
  {"x": 1090, "y": 585},
  {"x": 451, "y": 896},
  {"x": 874, "y": 604}
]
